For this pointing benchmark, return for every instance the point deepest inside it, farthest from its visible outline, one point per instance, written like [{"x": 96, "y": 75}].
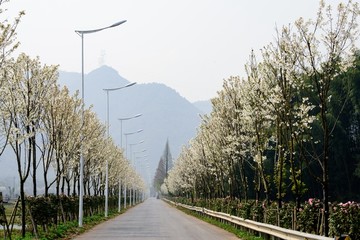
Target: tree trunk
[
  {"x": 244, "y": 180},
  {"x": 74, "y": 187},
  {"x": 68, "y": 187},
  {"x": 46, "y": 193},
  {"x": 23, "y": 209},
  {"x": 32, "y": 154},
  {"x": 58, "y": 174},
  {"x": 62, "y": 185},
  {"x": 324, "y": 163},
  {"x": 78, "y": 187},
  {"x": 325, "y": 186}
]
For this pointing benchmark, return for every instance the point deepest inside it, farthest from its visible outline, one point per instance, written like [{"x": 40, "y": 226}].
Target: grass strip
[{"x": 67, "y": 230}]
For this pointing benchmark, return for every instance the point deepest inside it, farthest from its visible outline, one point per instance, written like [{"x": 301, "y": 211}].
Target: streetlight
[
  {"x": 126, "y": 134},
  {"x": 141, "y": 164},
  {"x": 81, "y": 34},
  {"x": 136, "y": 170},
  {"x": 131, "y": 156},
  {"x": 123, "y": 119},
  {"x": 134, "y": 156},
  {"x": 132, "y": 160},
  {"x": 107, "y": 90}
]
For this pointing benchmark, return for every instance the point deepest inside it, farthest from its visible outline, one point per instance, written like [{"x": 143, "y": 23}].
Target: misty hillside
[
  {"x": 165, "y": 114},
  {"x": 204, "y": 106}
]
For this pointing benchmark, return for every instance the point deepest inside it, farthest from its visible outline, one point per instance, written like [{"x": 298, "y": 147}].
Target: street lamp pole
[
  {"x": 123, "y": 119},
  {"x": 130, "y": 133},
  {"x": 119, "y": 203},
  {"x": 126, "y": 152},
  {"x": 81, "y": 193},
  {"x": 135, "y": 168},
  {"x": 132, "y": 160},
  {"x": 107, "y": 90}
]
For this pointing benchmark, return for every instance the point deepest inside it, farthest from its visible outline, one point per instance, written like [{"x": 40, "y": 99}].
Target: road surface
[{"x": 155, "y": 219}]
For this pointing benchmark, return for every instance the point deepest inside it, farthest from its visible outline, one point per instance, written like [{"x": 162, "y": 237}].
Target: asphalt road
[{"x": 155, "y": 219}]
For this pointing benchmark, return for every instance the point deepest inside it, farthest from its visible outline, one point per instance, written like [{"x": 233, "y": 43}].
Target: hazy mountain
[
  {"x": 165, "y": 114},
  {"x": 204, "y": 106}
]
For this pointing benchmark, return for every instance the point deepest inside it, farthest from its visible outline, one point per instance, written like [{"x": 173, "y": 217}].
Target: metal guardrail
[{"x": 265, "y": 229}]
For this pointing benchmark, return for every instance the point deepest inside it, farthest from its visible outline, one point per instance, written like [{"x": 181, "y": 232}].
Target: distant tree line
[
  {"x": 164, "y": 165},
  {"x": 290, "y": 129}
]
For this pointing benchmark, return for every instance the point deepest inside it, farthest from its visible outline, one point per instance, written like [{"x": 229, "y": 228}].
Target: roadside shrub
[
  {"x": 244, "y": 209},
  {"x": 345, "y": 219},
  {"x": 258, "y": 212},
  {"x": 271, "y": 213},
  {"x": 309, "y": 216},
  {"x": 285, "y": 215},
  {"x": 43, "y": 211}
]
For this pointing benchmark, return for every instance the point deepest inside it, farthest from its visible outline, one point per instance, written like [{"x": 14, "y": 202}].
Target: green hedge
[{"x": 51, "y": 211}]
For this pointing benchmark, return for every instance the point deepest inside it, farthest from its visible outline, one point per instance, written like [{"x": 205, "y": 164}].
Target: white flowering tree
[
  {"x": 95, "y": 147},
  {"x": 117, "y": 164},
  {"x": 181, "y": 178},
  {"x": 325, "y": 48},
  {"x": 210, "y": 142},
  {"x": 8, "y": 44},
  {"x": 204, "y": 186},
  {"x": 227, "y": 114},
  {"x": 262, "y": 127},
  {"x": 257, "y": 123},
  {"x": 60, "y": 137},
  {"x": 28, "y": 86},
  {"x": 291, "y": 111}
]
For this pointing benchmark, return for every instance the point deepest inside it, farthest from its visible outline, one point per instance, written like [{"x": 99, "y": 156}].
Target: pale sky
[{"x": 189, "y": 45}]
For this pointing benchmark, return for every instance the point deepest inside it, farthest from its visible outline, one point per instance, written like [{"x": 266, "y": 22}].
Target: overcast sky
[{"x": 189, "y": 45}]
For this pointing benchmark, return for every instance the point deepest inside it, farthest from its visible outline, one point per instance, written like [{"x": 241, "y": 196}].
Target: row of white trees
[
  {"x": 45, "y": 126},
  {"x": 264, "y": 121}
]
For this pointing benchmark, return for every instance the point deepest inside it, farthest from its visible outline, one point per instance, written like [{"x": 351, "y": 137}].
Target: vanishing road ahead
[{"x": 155, "y": 219}]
